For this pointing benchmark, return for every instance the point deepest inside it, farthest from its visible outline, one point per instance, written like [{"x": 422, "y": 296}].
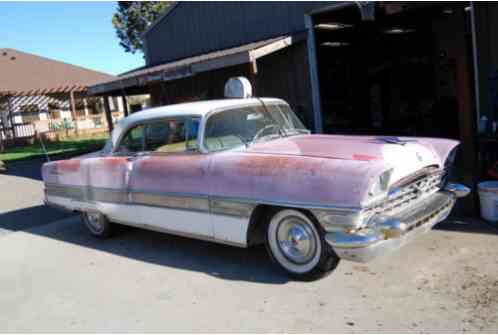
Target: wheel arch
[{"x": 261, "y": 215}]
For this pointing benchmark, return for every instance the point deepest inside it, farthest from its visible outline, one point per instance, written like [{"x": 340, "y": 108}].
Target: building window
[{"x": 30, "y": 113}]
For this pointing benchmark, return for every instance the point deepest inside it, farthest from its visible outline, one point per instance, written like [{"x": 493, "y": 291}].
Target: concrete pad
[{"x": 57, "y": 278}]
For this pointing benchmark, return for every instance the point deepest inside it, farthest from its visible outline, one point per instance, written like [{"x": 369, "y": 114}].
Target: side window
[
  {"x": 168, "y": 135},
  {"x": 133, "y": 141}
]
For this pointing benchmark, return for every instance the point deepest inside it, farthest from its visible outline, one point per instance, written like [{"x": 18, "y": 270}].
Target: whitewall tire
[{"x": 296, "y": 244}]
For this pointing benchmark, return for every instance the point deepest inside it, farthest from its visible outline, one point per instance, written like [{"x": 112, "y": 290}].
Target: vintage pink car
[{"x": 246, "y": 171}]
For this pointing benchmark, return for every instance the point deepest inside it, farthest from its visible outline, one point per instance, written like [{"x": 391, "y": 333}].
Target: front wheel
[
  {"x": 97, "y": 224},
  {"x": 296, "y": 244}
]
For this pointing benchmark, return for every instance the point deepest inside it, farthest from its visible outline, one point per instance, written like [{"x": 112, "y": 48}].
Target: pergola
[
  {"x": 14, "y": 100},
  {"x": 29, "y": 79}
]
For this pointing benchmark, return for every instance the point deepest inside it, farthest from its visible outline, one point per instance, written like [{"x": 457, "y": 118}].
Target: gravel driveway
[{"x": 56, "y": 277}]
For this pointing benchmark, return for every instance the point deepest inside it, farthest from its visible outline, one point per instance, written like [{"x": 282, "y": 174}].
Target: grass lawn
[{"x": 68, "y": 145}]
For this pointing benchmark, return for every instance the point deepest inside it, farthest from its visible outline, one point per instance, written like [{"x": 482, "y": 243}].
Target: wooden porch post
[
  {"x": 73, "y": 111},
  {"x": 108, "y": 115},
  {"x": 253, "y": 70},
  {"x": 11, "y": 117},
  {"x": 125, "y": 105}
]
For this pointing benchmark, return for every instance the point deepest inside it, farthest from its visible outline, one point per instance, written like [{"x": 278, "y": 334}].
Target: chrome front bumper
[{"x": 386, "y": 234}]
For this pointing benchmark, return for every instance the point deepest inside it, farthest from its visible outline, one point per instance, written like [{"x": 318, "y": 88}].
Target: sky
[{"x": 73, "y": 32}]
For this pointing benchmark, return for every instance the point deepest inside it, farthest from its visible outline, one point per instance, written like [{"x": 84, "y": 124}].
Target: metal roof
[
  {"x": 190, "y": 66},
  {"x": 27, "y": 74}
]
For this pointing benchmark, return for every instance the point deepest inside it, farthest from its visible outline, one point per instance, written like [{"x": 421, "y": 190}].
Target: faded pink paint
[
  {"x": 307, "y": 169},
  {"x": 172, "y": 173},
  {"x": 343, "y": 147}
]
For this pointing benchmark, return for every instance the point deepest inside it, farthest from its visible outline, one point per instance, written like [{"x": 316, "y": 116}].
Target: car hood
[{"x": 405, "y": 155}]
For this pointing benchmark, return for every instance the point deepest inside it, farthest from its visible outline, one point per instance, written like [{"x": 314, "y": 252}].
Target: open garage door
[{"x": 406, "y": 72}]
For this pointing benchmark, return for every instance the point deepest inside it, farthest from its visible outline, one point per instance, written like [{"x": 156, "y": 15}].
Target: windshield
[{"x": 243, "y": 126}]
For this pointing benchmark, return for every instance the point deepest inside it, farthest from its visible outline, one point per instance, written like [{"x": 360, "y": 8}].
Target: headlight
[{"x": 381, "y": 185}]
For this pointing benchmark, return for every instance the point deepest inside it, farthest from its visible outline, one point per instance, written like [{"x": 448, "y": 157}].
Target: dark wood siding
[
  {"x": 283, "y": 75},
  {"x": 193, "y": 28}
]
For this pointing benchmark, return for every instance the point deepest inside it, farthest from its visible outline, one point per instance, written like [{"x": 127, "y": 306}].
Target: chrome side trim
[
  {"x": 160, "y": 198},
  {"x": 175, "y": 202},
  {"x": 308, "y": 205},
  {"x": 237, "y": 209},
  {"x": 106, "y": 195},
  {"x": 73, "y": 192}
]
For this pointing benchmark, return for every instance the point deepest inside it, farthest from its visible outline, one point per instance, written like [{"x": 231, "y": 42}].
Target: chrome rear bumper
[{"x": 386, "y": 234}]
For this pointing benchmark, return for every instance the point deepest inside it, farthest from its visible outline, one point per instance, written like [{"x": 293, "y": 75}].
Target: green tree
[{"x": 132, "y": 18}]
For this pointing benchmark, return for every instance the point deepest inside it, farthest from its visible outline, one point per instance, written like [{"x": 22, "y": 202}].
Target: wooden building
[
  {"x": 37, "y": 93},
  {"x": 399, "y": 68}
]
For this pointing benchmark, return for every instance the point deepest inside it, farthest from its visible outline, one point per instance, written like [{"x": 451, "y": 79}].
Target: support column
[
  {"x": 125, "y": 105},
  {"x": 253, "y": 70},
  {"x": 73, "y": 111},
  {"x": 108, "y": 114},
  {"x": 313, "y": 72},
  {"x": 11, "y": 118},
  {"x": 85, "y": 106}
]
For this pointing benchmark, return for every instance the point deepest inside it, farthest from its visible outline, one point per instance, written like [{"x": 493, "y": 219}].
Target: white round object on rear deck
[
  {"x": 238, "y": 87},
  {"x": 488, "y": 196}
]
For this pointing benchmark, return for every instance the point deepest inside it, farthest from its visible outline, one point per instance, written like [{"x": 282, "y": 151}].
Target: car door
[
  {"x": 108, "y": 176},
  {"x": 168, "y": 184}
]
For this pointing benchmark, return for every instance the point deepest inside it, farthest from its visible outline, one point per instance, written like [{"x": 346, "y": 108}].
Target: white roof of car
[{"x": 199, "y": 108}]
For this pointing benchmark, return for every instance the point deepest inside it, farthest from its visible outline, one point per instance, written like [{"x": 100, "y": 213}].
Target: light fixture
[
  {"x": 333, "y": 26},
  {"x": 334, "y": 44},
  {"x": 397, "y": 31},
  {"x": 448, "y": 11}
]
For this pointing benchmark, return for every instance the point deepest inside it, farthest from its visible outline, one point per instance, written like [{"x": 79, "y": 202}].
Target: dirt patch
[
  {"x": 479, "y": 295},
  {"x": 472, "y": 290}
]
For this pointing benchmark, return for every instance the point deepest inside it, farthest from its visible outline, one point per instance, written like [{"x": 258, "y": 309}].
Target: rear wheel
[
  {"x": 296, "y": 244},
  {"x": 97, "y": 224}
]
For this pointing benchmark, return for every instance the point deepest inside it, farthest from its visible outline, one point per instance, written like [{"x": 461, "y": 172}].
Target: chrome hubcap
[
  {"x": 296, "y": 240},
  {"x": 94, "y": 221}
]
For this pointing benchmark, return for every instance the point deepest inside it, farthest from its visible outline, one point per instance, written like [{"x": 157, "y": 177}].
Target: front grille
[
  {"x": 410, "y": 192},
  {"x": 431, "y": 210}
]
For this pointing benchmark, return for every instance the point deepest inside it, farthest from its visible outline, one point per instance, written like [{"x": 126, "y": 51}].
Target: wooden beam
[
  {"x": 239, "y": 58},
  {"x": 271, "y": 48},
  {"x": 125, "y": 105},
  {"x": 73, "y": 111},
  {"x": 108, "y": 114}
]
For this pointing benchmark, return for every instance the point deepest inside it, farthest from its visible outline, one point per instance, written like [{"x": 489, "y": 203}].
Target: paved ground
[
  {"x": 55, "y": 277},
  {"x": 21, "y": 198}
]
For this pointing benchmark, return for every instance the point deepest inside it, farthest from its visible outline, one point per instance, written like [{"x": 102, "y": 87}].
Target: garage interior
[
  {"x": 405, "y": 71},
  {"x": 401, "y": 73}
]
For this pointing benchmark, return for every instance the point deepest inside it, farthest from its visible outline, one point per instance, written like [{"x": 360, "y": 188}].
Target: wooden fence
[{"x": 24, "y": 130}]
